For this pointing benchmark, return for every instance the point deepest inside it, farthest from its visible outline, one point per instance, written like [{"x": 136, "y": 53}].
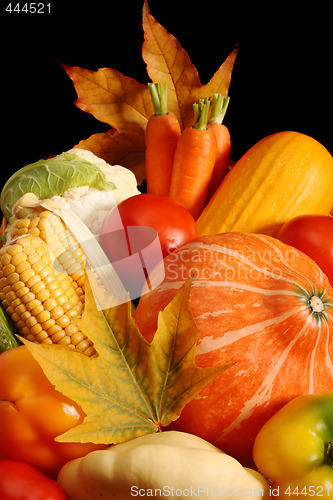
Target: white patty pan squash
[{"x": 163, "y": 465}]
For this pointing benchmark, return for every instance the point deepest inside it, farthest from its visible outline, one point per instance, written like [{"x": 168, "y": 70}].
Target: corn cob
[
  {"x": 68, "y": 256},
  {"x": 40, "y": 300}
]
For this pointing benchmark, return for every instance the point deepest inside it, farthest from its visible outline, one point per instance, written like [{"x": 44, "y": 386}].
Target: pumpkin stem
[
  {"x": 316, "y": 304},
  {"x": 329, "y": 454}
]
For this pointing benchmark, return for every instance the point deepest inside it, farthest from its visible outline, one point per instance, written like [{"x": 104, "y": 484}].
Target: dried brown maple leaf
[
  {"x": 125, "y": 104},
  {"x": 167, "y": 61}
]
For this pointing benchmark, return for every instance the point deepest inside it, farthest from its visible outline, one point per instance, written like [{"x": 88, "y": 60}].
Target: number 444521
[{"x": 29, "y": 8}]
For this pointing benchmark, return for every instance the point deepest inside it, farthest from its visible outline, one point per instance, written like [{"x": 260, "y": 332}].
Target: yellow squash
[{"x": 284, "y": 175}]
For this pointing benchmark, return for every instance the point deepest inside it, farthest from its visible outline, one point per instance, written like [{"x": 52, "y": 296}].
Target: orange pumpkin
[{"x": 262, "y": 304}]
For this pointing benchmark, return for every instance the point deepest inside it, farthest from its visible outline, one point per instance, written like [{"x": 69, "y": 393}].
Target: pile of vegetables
[{"x": 174, "y": 342}]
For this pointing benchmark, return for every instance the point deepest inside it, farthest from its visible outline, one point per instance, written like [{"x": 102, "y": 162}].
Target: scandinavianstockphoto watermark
[
  {"x": 245, "y": 255},
  {"x": 196, "y": 491},
  {"x": 227, "y": 264}
]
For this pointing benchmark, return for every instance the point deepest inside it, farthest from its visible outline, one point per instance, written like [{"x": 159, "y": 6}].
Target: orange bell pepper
[{"x": 33, "y": 413}]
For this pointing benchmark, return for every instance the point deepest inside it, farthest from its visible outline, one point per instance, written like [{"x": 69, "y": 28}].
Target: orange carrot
[
  {"x": 194, "y": 162},
  {"x": 162, "y": 133},
  {"x": 219, "y": 108}
]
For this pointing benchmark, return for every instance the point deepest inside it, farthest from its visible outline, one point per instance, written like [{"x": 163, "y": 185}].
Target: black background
[{"x": 282, "y": 79}]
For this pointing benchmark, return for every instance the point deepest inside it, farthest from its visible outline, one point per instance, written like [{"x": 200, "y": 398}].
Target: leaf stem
[
  {"x": 159, "y": 96},
  {"x": 201, "y": 113},
  {"x": 219, "y": 108}
]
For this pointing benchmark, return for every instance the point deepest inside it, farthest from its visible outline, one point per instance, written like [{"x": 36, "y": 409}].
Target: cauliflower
[
  {"x": 91, "y": 204},
  {"x": 76, "y": 180}
]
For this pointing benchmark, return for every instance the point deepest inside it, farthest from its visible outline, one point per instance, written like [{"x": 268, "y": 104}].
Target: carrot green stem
[
  {"x": 201, "y": 113},
  {"x": 159, "y": 96},
  {"x": 219, "y": 108}
]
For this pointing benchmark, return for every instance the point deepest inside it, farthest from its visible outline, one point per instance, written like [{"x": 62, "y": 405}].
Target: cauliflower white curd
[{"x": 92, "y": 204}]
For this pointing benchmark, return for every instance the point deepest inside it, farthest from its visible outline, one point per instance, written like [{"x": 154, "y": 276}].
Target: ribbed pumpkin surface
[{"x": 261, "y": 304}]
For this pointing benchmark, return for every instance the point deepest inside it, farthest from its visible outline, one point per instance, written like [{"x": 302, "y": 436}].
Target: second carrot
[{"x": 194, "y": 162}]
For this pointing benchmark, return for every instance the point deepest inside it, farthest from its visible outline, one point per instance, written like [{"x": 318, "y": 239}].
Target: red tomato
[
  {"x": 313, "y": 235},
  {"x": 20, "y": 481},
  {"x": 139, "y": 233},
  {"x": 174, "y": 224}
]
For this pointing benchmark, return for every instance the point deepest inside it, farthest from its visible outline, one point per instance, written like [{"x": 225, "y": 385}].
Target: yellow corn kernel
[
  {"x": 54, "y": 329},
  {"x": 10, "y": 296},
  {"x": 22, "y": 290},
  {"x": 30, "y": 321},
  {"x": 20, "y": 309},
  {"x": 26, "y": 274},
  {"x": 57, "y": 337},
  {"x": 22, "y": 266},
  {"x": 66, "y": 251},
  {"x": 35, "y": 284},
  {"x": 47, "y": 341},
  {"x": 6, "y": 259},
  {"x": 76, "y": 338},
  {"x": 63, "y": 321},
  {"x": 47, "y": 324},
  {"x": 13, "y": 278},
  {"x": 56, "y": 312},
  {"x": 39, "y": 266},
  {"x": 42, "y": 336},
  {"x": 89, "y": 351},
  {"x": 8, "y": 269},
  {"x": 42, "y": 295},
  {"x": 72, "y": 330},
  {"x": 29, "y": 300},
  {"x": 41, "y": 301},
  {"x": 35, "y": 330},
  {"x": 43, "y": 316},
  {"x": 18, "y": 285},
  {"x": 16, "y": 303},
  {"x": 83, "y": 345},
  {"x": 50, "y": 304},
  {"x": 25, "y": 315},
  {"x": 66, "y": 341}
]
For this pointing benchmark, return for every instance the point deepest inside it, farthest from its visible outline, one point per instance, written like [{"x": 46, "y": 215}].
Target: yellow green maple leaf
[
  {"x": 126, "y": 105},
  {"x": 132, "y": 387}
]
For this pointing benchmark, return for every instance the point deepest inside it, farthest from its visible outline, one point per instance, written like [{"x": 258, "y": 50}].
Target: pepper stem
[
  {"x": 329, "y": 454},
  {"x": 159, "y": 96},
  {"x": 201, "y": 113},
  {"x": 219, "y": 108}
]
